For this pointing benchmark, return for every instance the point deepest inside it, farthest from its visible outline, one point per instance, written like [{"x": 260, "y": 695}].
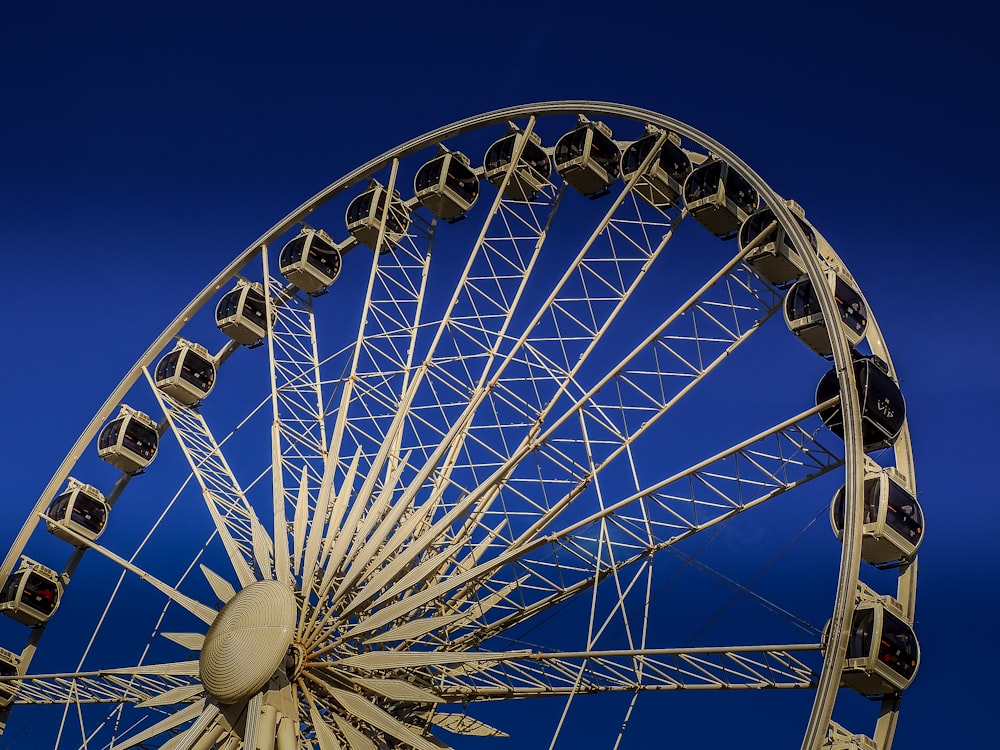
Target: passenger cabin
[
  {"x": 588, "y": 159},
  {"x": 883, "y": 409},
  {"x": 129, "y": 441},
  {"x": 366, "y": 213},
  {"x": 242, "y": 314},
  {"x": 81, "y": 508},
  {"x": 311, "y": 260},
  {"x": 662, "y": 181},
  {"x": 187, "y": 374},
  {"x": 10, "y": 666},
  {"x": 533, "y": 169},
  {"x": 31, "y": 594},
  {"x": 719, "y": 198},
  {"x": 773, "y": 256},
  {"x": 838, "y": 738},
  {"x": 882, "y": 653},
  {"x": 804, "y": 317},
  {"x": 893, "y": 521},
  {"x": 447, "y": 185}
]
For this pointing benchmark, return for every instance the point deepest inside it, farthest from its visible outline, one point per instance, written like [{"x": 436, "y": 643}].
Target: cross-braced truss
[{"x": 468, "y": 443}]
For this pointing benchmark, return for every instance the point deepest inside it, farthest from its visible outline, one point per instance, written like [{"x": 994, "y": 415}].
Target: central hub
[{"x": 248, "y": 641}]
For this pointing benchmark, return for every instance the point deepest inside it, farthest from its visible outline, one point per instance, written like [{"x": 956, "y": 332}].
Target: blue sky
[{"x": 143, "y": 147}]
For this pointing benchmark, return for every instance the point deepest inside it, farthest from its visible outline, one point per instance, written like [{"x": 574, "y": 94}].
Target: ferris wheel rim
[{"x": 850, "y": 563}]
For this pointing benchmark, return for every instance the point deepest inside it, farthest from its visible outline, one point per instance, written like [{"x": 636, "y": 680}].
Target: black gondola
[
  {"x": 805, "y": 319},
  {"x": 10, "y": 664},
  {"x": 311, "y": 260},
  {"x": 81, "y": 508},
  {"x": 186, "y": 374},
  {"x": 882, "y": 653},
  {"x": 129, "y": 441},
  {"x": 774, "y": 257},
  {"x": 663, "y": 180},
  {"x": 588, "y": 159},
  {"x": 242, "y": 314},
  {"x": 719, "y": 198},
  {"x": 883, "y": 409},
  {"x": 533, "y": 169},
  {"x": 31, "y": 594},
  {"x": 366, "y": 212},
  {"x": 893, "y": 520},
  {"x": 447, "y": 185}
]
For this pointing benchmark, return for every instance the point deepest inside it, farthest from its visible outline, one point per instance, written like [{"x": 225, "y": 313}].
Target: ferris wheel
[{"x": 533, "y": 426}]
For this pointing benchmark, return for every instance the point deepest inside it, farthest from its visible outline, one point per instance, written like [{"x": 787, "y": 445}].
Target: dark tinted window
[
  {"x": 89, "y": 512},
  {"x": 109, "y": 435},
  {"x": 571, "y": 145},
  {"x": 462, "y": 180},
  {"x": 360, "y": 206},
  {"x": 429, "y": 174},
  {"x": 605, "y": 152},
  {"x": 140, "y": 439},
  {"x": 636, "y": 153},
  {"x": 754, "y": 225},
  {"x": 674, "y": 161},
  {"x": 229, "y": 305},
  {"x": 870, "y": 501},
  {"x": 40, "y": 594},
  {"x": 903, "y": 514},
  {"x": 500, "y": 153},
  {"x": 254, "y": 306},
  {"x": 292, "y": 252},
  {"x": 801, "y": 300},
  {"x": 738, "y": 190},
  {"x": 9, "y": 591},
  {"x": 57, "y": 508},
  {"x": 703, "y": 182},
  {"x": 197, "y": 370},
  {"x": 898, "y": 646},
  {"x": 859, "y": 645},
  {"x": 882, "y": 405},
  {"x": 852, "y": 307},
  {"x": 167, "y": 366}
]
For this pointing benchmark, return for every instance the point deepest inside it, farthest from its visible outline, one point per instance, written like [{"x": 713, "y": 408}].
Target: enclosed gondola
[
  {"x": 311, "y": 260},
  {"x": 367, "y": 212},
  {"x": 882, "y": 407},
  {"x": 773, "y": 255},
  {"x": 882, "y": 651},
  {"x": 31, "y": 594},
  {"x": 531, "y": 173},
  {"x": 447, "y": 185},
  {"x": 129, "y": 441},
  {"x": 719, "y": 198},
  {"x": 662, "y": 182},
  {"x": 10, "y": 666},
  {"x": 242, "y": 314},
  {"x": 80, "y": 508},
  {"x": 186, "y": 374},
  {"x": 588, "y": 159},
  {"x": 804, "y": 317},
  {"x": 893, "y": 520}
]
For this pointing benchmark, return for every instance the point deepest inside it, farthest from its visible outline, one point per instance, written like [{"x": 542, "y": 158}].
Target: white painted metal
[{"x": 478, "y": 456}]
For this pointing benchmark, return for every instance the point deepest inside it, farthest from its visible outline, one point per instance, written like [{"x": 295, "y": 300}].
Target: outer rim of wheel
[{"x": 829, "y": 681}]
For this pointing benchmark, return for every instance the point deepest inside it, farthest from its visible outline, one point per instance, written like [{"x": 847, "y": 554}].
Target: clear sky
[{"x": 142, "y": 147}]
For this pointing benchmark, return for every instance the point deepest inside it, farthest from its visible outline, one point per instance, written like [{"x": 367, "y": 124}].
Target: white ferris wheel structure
[{"x": 518, "y": 419}]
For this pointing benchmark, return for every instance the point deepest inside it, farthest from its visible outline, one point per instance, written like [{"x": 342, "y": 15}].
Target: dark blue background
[{"x": 141, "y": 146}]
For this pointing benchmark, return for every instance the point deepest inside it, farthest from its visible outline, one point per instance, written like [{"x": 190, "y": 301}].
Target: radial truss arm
[
  {"x": 241, "y": 532},
  {"x": 126, "y": 685}
]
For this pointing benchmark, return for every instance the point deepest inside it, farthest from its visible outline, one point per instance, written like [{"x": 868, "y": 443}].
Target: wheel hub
[{"x": 248, "y": 641}]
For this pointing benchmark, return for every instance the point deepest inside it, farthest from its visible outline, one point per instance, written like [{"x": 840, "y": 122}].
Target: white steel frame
[{"x": 426, "y": 479}]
